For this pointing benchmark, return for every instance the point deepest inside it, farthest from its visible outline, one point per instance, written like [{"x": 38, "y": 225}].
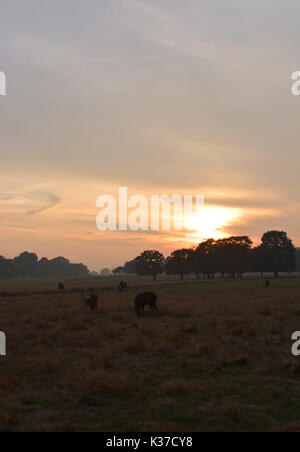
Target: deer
[
  {"x": 147, "y": 298},
  {"x": 91, "y": 302}
]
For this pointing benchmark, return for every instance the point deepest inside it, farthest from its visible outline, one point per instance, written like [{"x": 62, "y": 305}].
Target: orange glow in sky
[{"x": 211, "y": 223}]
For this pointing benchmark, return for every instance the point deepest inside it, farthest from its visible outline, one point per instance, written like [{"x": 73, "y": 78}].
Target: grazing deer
[
  {"x": 61, "y": 286},
  {"x": 92, "y": 301},
  {"x": 147, "y": 298},
  {"x": 122, "y": 286}
]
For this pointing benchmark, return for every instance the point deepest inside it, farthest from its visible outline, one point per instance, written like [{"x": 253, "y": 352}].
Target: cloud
[
  {"x": 42, "y": 201},
  {"x": 33, "y": 202}
]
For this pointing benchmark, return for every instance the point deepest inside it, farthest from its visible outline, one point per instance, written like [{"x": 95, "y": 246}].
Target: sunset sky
[{"x": 161, "y": 96}]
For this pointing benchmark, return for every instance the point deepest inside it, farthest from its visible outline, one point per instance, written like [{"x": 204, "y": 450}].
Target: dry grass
[{"x": 214, "y": 358}]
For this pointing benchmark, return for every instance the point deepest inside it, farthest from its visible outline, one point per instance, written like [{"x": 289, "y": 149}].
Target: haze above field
[{"x": 161, "y": 96}]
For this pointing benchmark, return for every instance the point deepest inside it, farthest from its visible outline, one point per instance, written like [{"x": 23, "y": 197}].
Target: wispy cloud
[
  {"x": 41, "y": 201},
  {"x": 33, "y": 202},
  {"x": 167, "y": 30}
]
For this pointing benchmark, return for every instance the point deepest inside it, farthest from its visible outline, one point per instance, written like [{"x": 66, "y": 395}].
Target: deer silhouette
[
  {"x": 145, "y": 299},
  {"x": 61, "y": 286},
  {"x": 92, "y": 301}
]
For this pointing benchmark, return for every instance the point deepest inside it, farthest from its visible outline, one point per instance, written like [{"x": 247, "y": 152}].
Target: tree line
[
  {"x": 298, "y": 259},
  {"x": 231, "y": 257},
  {"x": 29, "y": 265}
]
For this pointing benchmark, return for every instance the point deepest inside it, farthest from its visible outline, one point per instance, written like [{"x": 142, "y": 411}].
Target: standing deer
[
  {"x": 92, "y": 301},
  {"x": 147, "y": 298}
]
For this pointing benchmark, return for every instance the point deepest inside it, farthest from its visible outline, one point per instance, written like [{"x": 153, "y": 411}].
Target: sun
[{"x": 211, "y": 223}]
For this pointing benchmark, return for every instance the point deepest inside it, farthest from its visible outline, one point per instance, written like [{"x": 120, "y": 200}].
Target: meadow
[{"x": 215, "y": 357}]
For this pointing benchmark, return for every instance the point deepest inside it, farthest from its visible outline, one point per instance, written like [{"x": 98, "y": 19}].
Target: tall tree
[
  {"x": 118, "y": 271},
  {"x": 298, "y": 259},
  {"x": 233, "y": 255},
  {"x": 26, "y": 264},
  {"x": 194, "y": 264},
  {"x": 105, "y": 272},
  {"x": 178, "y": 263},
  {"x": 258, "y": 260},
  {"x": 6, "y": 268},
  {"x": 279, "y": 253},
  {"x": 150, "y": 262},
  {"x": 130, "y": 267},
  {"x": 205, "y": 258}
]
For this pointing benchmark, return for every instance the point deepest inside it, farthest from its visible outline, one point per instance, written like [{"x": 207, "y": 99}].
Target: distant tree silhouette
[
  {"x": 278, "y": 252},
  {"x": 130, "y": 267},
  {"x": 298, "y": 259},
  {"x": 105, "y": 272},
  {"x": 118, "y": 271},
  {"x": 28, "y": 265},
  {"x": 233, "y": 255},
  {"x": 205, "y": 258},
  {"x": 179, "y": 263},
  {"x": 258, "y": 260},
  {"x": 6, "y": 268},
  {"x": 150, "y": 262},
  {"x": 193, "y": 263}
]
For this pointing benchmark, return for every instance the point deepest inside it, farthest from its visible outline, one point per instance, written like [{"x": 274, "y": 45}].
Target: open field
[{"x": 216, "y": 357}]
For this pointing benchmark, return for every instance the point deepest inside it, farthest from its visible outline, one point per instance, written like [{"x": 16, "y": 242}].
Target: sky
[{"x": 160, "y": 96}]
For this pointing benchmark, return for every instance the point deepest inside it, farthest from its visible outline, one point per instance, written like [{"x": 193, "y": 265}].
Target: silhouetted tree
[
  {"x": 298, "y": 259},
  {"x": 117, "y": 271},
  {"x": 28, "y": 265},
  {"x": 193, "y": 263},
  {"x": 130, "y": 267},
  {"x": 258, "y": 260},
  {"x": 205, "y": 258},
  {"x": 233, "y": 255},
  {"x": 178, "y": 263},
  {"x": 150, "y": 262},
  {"x": 105, "y": 272},
  {"x": 6, "y": 268},
  {"x": 279, "y": 253}
]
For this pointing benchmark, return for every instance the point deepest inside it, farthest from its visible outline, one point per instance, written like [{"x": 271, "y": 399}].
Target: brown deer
[
  {"x": 145, "y": 299},
  {"x": 92, "y": 301}
]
